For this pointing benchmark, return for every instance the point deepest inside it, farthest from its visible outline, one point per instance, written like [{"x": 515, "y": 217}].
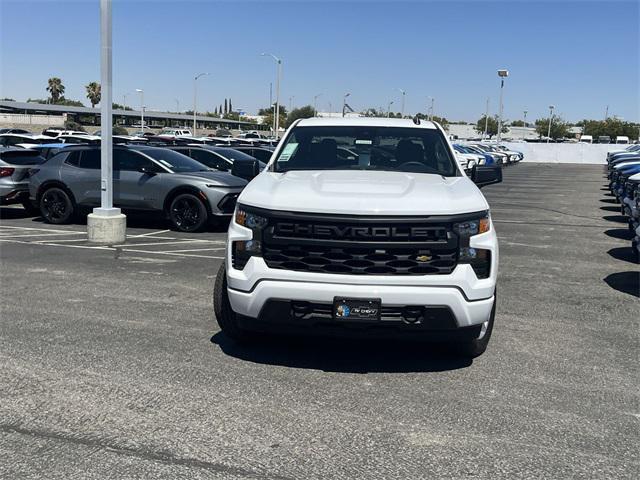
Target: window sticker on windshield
[
  {"x": 363, "y": 141},
  {"x": 165, "y": 163},
  {"x": 287, "y": 151}
]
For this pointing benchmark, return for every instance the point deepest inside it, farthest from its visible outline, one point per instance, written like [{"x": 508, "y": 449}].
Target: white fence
[
  {"x": 564, "y": 152},
  {"x": 22, "y": 119}
]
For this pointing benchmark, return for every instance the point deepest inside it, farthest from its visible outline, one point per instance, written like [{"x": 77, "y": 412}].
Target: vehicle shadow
[
  {"x": 616, "y": 218},
  {"x": 608, "y": 200},
  {"x": 344, "y": 355},
  {"x": 625, "y": 282},
  {"x": 608, "y": 208},
  {"x": 623, "y": 253},
  {"x": 620, "y": 233},
  {"x": 12, "y": 213}
]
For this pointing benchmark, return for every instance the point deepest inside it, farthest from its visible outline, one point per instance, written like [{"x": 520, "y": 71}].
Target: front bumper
[{"x": 470, "y": 299}]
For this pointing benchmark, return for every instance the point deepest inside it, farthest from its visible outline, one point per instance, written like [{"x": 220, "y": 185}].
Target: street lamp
[
  {"x": 486, "y": 121},
  {"x": 315, "y": 103},
  {"x": 502, "y": 74},
  {"x": 525, "y": 118},
  {"x": 431, "y": 109},
  {"x": 106, "y": 224},
  {"x": 276, "y": 121},
  {"x": 404, "y": 94},
  {"x": 177, "y": 105},
  {"x": 195, "y": 92},
  {"x": 124, "y": 100},
  {"x": 291, "y": 99},
  {"x": 389, "y": 108},
  {"x": 141, "y": 92},
  {"x": 551, "y": 107},
  {"x": 344, "y": 103}
]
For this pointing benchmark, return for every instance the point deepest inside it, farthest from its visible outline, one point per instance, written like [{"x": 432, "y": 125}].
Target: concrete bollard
[{"x": 107, "y": 229}]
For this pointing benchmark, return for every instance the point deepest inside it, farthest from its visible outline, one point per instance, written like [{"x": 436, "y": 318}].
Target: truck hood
[
  {"x": 363, "y": 193},
  {"x": 223, "y": 179}
]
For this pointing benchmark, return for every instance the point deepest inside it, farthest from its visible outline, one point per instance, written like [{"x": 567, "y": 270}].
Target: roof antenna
[{"x": 416, "y": 119}]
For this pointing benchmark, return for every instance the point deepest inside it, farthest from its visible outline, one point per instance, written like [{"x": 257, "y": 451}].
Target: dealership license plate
[{"x": 356, "y": 308}]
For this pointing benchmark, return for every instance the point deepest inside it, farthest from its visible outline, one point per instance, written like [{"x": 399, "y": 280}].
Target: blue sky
[{"x": 580, "y": 56}]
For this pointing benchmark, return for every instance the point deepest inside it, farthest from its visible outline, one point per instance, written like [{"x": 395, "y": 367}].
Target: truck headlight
[
  {"x": 479, "y": 259},
  {"x": 243, "y": 250}
]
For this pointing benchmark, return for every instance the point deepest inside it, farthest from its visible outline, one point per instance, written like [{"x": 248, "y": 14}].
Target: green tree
[
  {"x": 94, "y": 92},
  {"x": 7, "y": 99},
  {"x": 119, "y": 130},
  {"x": 559, "y": 128},
  {"x": 55, "y": 89},
  {"x": 612, "y": 127},
  {"x": 303, "y": 112},
  {"x": 517, "y": 123},
  {"x": 71, "y": 125},
  {"x": 492, "y": 125}
]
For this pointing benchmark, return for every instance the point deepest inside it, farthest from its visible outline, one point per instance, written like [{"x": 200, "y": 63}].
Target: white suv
[{"x": 363, "y": 225}]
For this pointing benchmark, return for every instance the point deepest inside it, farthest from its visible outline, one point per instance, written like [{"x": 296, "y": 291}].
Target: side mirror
[
  {"x": 246, "y": 169},
  {"x": 484, "y": 175},
  {"x": 146, "y": 171}
]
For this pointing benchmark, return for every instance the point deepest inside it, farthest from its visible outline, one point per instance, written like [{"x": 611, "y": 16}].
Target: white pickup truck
[{"x": 363, "y": 226}]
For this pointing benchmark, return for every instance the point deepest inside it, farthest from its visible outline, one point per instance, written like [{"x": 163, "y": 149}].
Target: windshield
[
  {"x": 418, "y": 150},
  {"x": 175, "y": 161}
]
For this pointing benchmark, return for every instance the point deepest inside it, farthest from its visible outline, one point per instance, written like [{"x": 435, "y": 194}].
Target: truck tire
[
  {"x": 477, "y": 346},
  {"x": 225, "y": 316}
]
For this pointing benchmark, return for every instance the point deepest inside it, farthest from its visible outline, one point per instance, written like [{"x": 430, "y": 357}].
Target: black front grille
[
  {"x": 361, "y": 260},
  {"x": 361, "y": 245}
]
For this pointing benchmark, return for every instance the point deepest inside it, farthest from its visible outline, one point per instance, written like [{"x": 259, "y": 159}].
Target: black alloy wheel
[
  {"x": 187, "y": 213},
  {"x": 56, "y": 206}
]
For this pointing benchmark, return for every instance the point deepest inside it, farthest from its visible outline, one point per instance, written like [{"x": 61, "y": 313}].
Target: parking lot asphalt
[{"x": 113, "y": 366}]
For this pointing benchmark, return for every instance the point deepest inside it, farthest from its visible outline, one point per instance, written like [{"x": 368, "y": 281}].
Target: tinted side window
[
  {"x": 90, "y": 159},
  {"x": 132, "y": 161},
  {"x": 73, "y": 158}
]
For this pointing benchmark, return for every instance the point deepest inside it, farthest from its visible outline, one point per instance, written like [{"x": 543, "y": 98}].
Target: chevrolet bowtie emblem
[{"x": 423, "y": 258}]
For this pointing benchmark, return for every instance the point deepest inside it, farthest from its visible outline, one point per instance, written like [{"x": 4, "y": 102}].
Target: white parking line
[
  {"x": 149, "y": 234},
  {"x": 168, "y": 253},
  {"x": 22, "y": 235},
  {"x": 158, "y": 243},
  {"x": 38, "y": 229},
  {"x": 195, "y": 250}
]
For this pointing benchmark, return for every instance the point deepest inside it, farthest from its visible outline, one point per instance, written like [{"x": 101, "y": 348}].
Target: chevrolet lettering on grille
[{"x": 348, "y": 232}]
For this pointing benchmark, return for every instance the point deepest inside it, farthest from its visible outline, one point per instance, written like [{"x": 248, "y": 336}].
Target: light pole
[
  {"x": 291, "y": 99},
  {"x": 431, "y": 108},
  {"x": 141, "y": 92},
  {"x": 344, "y": 103},
  {"x": 315, "y": 103},
  {"x": 502, "y": 74},
  {"x": 404, "y": 94},
  {"x": 177, "y": 105},
  {"x": 195, "y": 93},
  {"x": 389, "y": 108},
  {"x": 278, "y": 74},
  {"x": 551, "y": 107},
  {"x": 124, "y": 100},
  {"x": 106, "y": 225},
  {"x": 486, "y": 121},
  {"x": 524, "y": 132}
]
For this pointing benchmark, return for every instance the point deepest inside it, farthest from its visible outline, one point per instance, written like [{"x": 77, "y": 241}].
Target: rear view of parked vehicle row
[
  {"x": 363, "y": 225},
  {"x": 623, "y": 172}
]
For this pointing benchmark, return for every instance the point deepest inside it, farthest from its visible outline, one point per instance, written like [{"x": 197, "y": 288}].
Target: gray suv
[{"x": 144, "y": 178}]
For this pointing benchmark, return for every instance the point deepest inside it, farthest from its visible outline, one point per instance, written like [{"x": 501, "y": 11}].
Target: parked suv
[
  {"x": 392, "y": 239},
  {"x": 144, "y": 178}
]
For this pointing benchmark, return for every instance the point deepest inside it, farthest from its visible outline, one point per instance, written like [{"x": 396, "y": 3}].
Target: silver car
[
  {"x": 144, "y": 178},
  {"x": 15, "y": 164}
]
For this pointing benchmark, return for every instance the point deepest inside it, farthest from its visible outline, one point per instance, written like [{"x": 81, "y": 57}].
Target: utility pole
[
  {"x": 525, "y": 124},
  {"x": 315, "y": 103},
  {"x": 551, "y": 107},
  {"x": 278, "y": 74},
  {"x": 106, "y": 225},
  {"x": 389, "y": 108},
  {"x": 606, "y": 113},
  {"x": 502, "y": 74},
  {"x": 404, "y": 94},
  {"x": 344, "y": 103}
]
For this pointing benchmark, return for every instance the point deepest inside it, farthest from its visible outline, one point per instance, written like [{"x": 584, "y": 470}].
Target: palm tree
[
  {"x": 93, "y": 93},
  {"x": 56, "y": 89}
]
